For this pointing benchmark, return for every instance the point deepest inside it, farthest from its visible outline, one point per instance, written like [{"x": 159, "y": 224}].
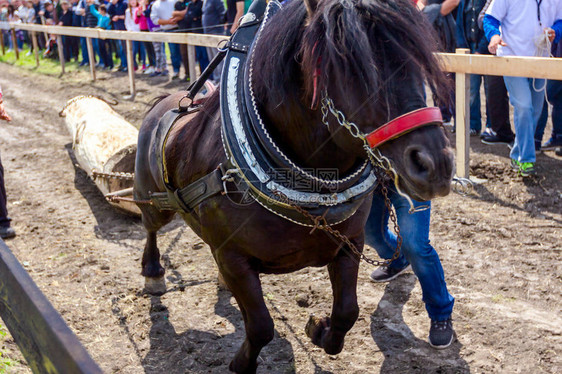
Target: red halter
[{"x": 404, "y": 124}]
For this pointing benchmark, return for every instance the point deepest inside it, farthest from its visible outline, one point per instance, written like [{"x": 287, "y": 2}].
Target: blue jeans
[
  {"x": 201, "y": 55},
  {"x": 554, "y": 94},
  {"x": 475, "y": 114},
  {"x": 416, "y": 249},
  {"x": 84, "y": 48},
  {"x": 527, "y": 107},
  {"x": 175, "y": 56},
  {"x": 138, "y": 49}
]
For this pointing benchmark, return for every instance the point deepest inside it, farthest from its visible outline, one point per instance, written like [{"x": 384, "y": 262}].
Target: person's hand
[
  {"x": 550, "y": 33},
  {"x": 115, "y": 18},
  {"x": 3, "y": 114},
  {"x": 494, "y": 43}
]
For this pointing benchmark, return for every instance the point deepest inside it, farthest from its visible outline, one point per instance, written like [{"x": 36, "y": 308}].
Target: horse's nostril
[{"x": 419, "y": 161}]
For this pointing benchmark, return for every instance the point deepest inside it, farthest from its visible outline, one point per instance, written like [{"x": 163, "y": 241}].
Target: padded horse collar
[{"x": 262, "y": 167}]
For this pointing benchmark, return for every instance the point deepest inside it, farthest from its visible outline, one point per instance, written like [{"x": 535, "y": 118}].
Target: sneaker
[
  {"x": 474, "y": 132},
  {"x": 155, "y": 74},
  {"x": 496, "y": 139},
  {"x": 441, "y": 333},
  {"x": 552, "y": 143},
  {"x": 7, "y": 232},
  {"x": 165, "y": 73},
  {"x": 149, "y": 70},
  {"x": 487, "y": 132},
  {"x": 176, "y": 76},
  {"x": 514, "y": 164},
  {"x": 527, "y": 168},
  {"x": 559, "y": 152},
  {"x": 386, "y": 273}
]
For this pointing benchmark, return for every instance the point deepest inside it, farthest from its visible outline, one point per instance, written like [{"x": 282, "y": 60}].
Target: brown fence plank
[
  {"x": 35, "y": 47},
  {"x": 47, "y": 343}
]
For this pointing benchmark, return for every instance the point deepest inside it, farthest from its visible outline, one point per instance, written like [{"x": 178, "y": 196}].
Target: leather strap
[
  {"x": 403, "y": 124},
  {"x": 186, "y": 199}
]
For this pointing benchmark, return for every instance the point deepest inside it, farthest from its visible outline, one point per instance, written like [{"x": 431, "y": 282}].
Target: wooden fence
[
  {"x": 462, "y": 63},
  {"x": 43, "y": 337}
]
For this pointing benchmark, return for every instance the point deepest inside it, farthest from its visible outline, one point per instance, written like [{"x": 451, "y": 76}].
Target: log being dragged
[{"x": 105, "y": 146}]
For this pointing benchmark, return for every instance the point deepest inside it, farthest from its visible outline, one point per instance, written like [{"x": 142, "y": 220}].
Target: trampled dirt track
[{"x": 500, "y": 247}]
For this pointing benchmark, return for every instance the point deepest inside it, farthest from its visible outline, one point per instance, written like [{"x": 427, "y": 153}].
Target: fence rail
[
  {"x": 462, "y": 63},
  {"x": 47, "y": 343}
]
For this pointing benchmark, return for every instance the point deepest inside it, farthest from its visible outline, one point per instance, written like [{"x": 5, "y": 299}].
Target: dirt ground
[{"x": 500, "y": 247}]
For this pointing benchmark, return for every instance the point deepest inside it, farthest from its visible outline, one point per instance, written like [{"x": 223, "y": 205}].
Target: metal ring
[
  {"x": 183, "y": 109},
  {"x": 225, "y": 47}
]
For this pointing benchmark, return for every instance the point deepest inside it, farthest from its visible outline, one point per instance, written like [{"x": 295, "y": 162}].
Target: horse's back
[{"x": 192, "y": 147}]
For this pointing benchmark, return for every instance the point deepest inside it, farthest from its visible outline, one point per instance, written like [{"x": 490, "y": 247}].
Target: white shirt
[
  {"x": 130, "y": 24},
  {"x": 162, "y": 9},
  {"x": 520, "y": 27}
]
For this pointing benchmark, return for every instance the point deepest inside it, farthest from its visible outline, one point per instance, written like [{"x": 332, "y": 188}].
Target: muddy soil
[{"x": 500, "y": 247}]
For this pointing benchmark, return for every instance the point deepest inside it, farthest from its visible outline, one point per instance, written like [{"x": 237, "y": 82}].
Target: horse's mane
[{"x": 357, "y": 45}]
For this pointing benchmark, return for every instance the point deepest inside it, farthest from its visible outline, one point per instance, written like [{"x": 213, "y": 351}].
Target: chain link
[
  {"x": 321, "y": 223},
  {"x": 328, "y": 104},
  {"x": 113, "y": 175}
]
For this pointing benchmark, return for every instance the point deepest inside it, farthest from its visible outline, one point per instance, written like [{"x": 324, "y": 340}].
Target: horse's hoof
[
  {"x": 316, "y": 327},
  {"x": 236, "y": 367},
  {"x": 155, "y": 286}
]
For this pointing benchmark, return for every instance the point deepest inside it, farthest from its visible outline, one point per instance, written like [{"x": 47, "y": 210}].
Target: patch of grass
[
  {"x": 5, "y": 363},
  {"x": 47, "y": 66}
]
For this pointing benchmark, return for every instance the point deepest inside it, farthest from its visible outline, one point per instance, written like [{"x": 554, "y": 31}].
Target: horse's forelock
[{"x": 356, "y": 45}]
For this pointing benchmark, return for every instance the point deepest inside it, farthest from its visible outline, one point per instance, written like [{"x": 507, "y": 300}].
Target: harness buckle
[{"x": 227, "y": 177}]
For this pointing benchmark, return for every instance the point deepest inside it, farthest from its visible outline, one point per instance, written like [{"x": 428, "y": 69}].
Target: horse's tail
[{"x": 155, "y": 102}]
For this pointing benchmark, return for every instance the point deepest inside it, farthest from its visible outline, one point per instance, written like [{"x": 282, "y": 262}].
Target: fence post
[
  {"x": 2, "y": 42},
  {"x": 191, "y": 62},
  {"x": 61, "y": 52},
  {"x": 35, "y": 47},
  {"x": 131, "y": 68},
  {"x": 15, "y": 44},
  {"x": 91, "y": 58},
  {"x": 462, "y": 120}
]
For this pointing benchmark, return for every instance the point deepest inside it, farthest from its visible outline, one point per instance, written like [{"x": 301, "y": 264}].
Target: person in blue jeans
[
  {"x": 524, "y": 27},
  {"x": 416, "y": 253}
]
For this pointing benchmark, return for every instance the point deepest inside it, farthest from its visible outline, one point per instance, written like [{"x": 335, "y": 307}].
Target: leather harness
[{"x": 260, "y": 167}]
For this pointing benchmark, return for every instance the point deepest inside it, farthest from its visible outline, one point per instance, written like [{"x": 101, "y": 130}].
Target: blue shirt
[{"x": 103, "y": 21}]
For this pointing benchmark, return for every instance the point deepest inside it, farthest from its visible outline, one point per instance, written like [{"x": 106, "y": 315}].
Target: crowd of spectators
[
  {"x": 196, "y": 16},
  {"x": 506, "y": 28}
]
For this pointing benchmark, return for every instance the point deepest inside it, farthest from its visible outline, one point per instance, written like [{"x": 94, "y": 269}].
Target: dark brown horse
[{"x": 371, "y": 58}]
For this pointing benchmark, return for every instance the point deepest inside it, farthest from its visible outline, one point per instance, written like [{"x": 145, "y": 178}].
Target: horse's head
[{"x": 370, "y": 58}]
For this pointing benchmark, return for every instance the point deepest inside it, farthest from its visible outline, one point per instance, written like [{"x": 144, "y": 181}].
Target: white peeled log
[{"x": 103, "y": 142}]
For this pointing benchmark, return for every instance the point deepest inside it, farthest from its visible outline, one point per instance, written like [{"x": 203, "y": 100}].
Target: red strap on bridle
[{"x": 403, "y": 124}]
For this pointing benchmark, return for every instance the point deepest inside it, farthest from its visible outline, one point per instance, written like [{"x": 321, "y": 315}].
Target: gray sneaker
[
  {"x": 7, "y": 232},
  {"x": 441, "y": 333},
  {"x": 386, "y": 273}
]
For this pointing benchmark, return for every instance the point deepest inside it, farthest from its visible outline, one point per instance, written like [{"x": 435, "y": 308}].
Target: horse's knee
[{"x": 261, "y": 333}]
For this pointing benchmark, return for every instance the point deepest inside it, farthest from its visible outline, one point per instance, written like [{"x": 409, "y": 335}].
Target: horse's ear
[{"x": 311, "y": 6}]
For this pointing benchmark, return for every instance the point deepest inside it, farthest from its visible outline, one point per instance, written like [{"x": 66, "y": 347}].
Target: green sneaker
[
  {"x": 515, "y": 164},
  {"x": 527, "y": 168}
]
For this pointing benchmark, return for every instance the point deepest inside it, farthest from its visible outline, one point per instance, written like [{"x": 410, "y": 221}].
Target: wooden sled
[{"x": 105, "y": 145}]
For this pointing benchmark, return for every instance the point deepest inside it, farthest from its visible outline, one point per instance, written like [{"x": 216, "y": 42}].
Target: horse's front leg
[
  {"x": 152, "y": 270},
  {"x": 245, "y": 285},
  {"x": 329, "y": 333}
]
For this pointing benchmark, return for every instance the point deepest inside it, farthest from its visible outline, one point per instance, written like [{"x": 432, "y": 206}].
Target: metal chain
[
  {"x": 113, "y": 175},
  {"x": 321, "y": 223}
]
